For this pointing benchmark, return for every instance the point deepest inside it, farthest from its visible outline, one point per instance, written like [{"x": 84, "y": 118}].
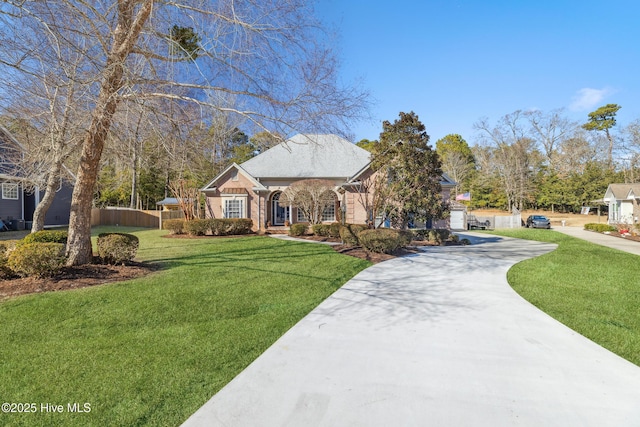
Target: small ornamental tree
[
  {"x": 311, "y": 196},
  {"x": 187, "y": 194},
  {"x": 412, "y": 170}
]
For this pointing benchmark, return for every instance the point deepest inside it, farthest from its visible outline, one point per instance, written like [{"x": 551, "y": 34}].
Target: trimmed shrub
[
  {"x": 5, "y": 249},
  {"x": 298, "y": 229},
  {"x": 600, "y": 228},
  {"x": 45, "y": 236},
  {"x": 175, "y": 226},
  {"x": 420, "y": 235},
  {"x": 439, "y": 236},
  {"x": 320, "y": 230},
  {"x": 236, "y": 226},
  {"x": 405, "y": 236},
  {"x": 349, "y": 233},
  {"x": 230, "y": 226},
  {"x": 117, "y": 248},
  {"x": 381, "y": 240},
  {"x": 197, "y": 227},
  {"x": 37, "y": 259},
  {"x": 334, "y": 229}
]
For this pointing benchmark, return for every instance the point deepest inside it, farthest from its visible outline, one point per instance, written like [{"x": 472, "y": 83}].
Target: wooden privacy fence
[{"x": 132, "y": 217}]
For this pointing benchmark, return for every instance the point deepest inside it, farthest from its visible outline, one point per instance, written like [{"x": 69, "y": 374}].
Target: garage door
[{"x": 457, "y": 220}]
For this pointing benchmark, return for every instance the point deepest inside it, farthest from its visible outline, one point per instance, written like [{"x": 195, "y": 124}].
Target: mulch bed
[{"x": 74, "y": 278}]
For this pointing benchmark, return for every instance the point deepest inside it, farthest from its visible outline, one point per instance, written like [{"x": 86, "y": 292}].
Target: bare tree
[
  {"x": 187, "y": 193},
  {"x": 44, "y": 89},
  {"x": 311, "y": 196},
  {"x": 458, "y": 167},
  {"x": 259, "y": 59},
  {"x": 574, "y": 152},
  {"x": 513, "y": 157},
  {"x": 550, "y": 130}
]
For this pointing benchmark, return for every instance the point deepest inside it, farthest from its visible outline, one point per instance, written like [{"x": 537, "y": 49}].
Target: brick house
[{"x": 253, "y": 188}]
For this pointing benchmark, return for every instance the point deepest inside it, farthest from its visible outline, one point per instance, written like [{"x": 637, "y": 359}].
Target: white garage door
[{"x": 458, "y": 221}]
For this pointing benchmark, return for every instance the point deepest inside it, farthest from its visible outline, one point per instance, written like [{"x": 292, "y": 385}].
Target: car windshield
[{"x": 539, "y": 217}]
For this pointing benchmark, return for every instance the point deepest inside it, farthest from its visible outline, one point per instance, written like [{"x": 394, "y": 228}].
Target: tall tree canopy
[
  {"x": 457, "y": 159},
  {"x": 263, "y": 60},
  {"x": 603, "y": 119},
  {"x": 412, "y": 172}
]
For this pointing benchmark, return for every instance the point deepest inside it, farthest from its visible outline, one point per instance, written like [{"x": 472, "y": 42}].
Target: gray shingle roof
[
  {"x": 309, "y": 156},
  {"x": 621, "y": 191}
]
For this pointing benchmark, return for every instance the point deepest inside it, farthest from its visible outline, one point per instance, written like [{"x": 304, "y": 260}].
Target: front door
[{"x": 280, "y": 214}]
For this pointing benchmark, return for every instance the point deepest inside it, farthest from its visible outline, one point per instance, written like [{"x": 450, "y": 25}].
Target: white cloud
[{"x": 587, "y": 98}]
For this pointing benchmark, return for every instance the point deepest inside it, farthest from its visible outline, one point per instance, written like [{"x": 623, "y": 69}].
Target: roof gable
[
  {"x": 215, "y": 181},
  {"x": 622, "y": 191},
  {"x": 309, "y": 156}
]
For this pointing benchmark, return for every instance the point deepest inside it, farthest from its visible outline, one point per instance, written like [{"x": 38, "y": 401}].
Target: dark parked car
[{"x": 538, "y": 221}]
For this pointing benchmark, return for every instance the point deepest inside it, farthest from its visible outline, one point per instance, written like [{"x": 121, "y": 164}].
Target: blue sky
[{"x": 455, "y": 61}]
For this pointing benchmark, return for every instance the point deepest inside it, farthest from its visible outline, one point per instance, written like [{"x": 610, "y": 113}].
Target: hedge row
[
  {"x": 600, "y": 228},
  {"x": 214, "y": 226}
]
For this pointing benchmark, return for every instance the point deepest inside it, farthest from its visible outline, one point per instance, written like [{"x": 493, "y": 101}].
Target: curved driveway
[{"x": 434, "y": 339}]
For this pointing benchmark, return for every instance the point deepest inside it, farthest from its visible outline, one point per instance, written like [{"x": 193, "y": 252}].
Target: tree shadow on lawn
[{"x": 283, "y": 257}]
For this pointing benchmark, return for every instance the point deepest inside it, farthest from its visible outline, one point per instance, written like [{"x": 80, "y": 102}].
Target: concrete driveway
[{"x": 434, "y": 339}]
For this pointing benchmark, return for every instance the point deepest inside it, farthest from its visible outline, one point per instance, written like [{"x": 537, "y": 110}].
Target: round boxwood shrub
[
  {"x": 381, "y": 240},
  {"x": 46, "y": 236},
  {"x": 298, "y": 229},
  {"x": 439, "y": 236},
  {"x": 320, "y": 230},
  {"x": 117, "y": 248},
  {"x": 37, "y": 259},
  {"x": 349, "y": 233}
]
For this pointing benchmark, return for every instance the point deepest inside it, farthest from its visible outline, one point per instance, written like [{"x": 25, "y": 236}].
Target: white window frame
[
  {"x": 301, "y": 216},
  {"x": 238, "y": 211},
  {"x": 329, "y": 213},
  {"x": 8, "y": 191}
]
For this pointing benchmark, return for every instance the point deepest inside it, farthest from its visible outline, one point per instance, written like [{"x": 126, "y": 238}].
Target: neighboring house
[
  {"x": 253, "y": 188},
  {"x": 19, "y": 197},
  {"x": 623, "y": 201}
]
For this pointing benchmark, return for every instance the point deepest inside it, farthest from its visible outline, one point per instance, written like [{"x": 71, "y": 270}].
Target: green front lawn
[
  {"x": 592, "y": 289},
  {"x": 151, "y": 351}
]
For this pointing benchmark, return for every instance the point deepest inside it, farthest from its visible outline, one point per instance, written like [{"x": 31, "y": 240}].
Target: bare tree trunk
[
  {"x": 53, "y": 181},
  {"x": 134, "y": 177},
  {"x": 79, "y": 250},
  {"x": 130, "y": 23}
]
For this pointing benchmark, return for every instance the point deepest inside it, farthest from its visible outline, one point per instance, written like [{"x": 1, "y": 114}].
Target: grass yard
[
  {"x": 592, "y": 289},
  {"x": 153, "y": 350}
]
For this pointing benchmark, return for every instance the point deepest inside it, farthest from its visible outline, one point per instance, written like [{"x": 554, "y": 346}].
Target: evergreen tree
[{"x": 412, "y": 190}]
